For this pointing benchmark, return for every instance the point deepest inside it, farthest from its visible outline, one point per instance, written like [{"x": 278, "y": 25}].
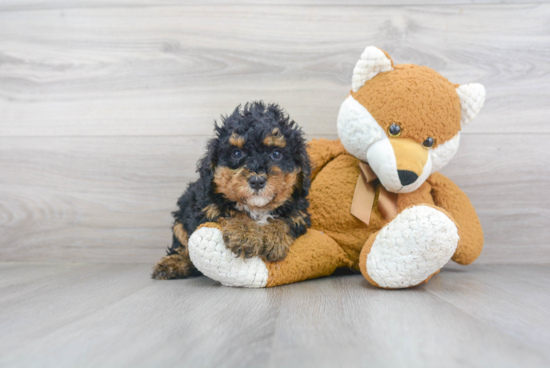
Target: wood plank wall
[{"x": 105, "y": 107}]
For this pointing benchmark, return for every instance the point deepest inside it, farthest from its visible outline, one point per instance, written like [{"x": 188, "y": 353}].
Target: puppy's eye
[
  {"x": 237, "y": 154},
  {"x": 276, "y": 155},
  {"x": 429, "y": 142},
  {"x": 395, "y": 130}
]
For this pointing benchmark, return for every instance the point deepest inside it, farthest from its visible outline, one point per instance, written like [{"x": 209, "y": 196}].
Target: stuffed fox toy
[{"x": 378, "y": 205}]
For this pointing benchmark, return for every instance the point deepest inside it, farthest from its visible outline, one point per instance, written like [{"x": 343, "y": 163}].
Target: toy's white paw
[
  {"x": 209, "y": 254},
  {"x": 418, "y": 242}
]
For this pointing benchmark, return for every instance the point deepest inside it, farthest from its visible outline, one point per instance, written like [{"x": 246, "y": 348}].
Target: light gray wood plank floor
[{"x": 114, "y": 315}]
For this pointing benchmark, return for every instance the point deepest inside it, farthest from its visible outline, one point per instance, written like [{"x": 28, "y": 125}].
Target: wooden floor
[
  {"x": 105, "y": 107},
  {"x": 114, "y": 315}
]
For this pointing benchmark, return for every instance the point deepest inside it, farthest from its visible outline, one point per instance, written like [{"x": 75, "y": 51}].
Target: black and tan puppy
[{"x": 254, "y": 181}]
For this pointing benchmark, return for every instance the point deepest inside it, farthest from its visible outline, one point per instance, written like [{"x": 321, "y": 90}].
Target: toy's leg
[
  {"x": 312, "y": 255},
  {"x": 410, "y": 249}
]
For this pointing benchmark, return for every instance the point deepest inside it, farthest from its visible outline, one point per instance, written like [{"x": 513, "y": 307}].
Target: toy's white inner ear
[
  {"x": 373, "y": 61},
  {"x": 472, "y": 97}
]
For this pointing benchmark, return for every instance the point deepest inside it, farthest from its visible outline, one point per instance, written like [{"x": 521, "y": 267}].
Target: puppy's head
[{"x": 259, "y": 158}]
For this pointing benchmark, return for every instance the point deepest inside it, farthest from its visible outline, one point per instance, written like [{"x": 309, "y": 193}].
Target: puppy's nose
[
  {"x": 257, "y": 182},
  {"x": 406, "y": 177}
]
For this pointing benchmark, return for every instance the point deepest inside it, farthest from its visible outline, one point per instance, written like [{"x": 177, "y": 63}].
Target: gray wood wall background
[{"x": 105, "y": 107}]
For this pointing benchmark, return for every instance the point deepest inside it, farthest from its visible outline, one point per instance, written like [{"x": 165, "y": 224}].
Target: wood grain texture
[
  {"x": 105, "y": 108},
  {"x": 18, "y": 5},
  {"x": 82, "y": 315},
  {"x": 171, "y": 70},
  {"x": 26, "y": 5},
  {"x": 110, "y": 198}
]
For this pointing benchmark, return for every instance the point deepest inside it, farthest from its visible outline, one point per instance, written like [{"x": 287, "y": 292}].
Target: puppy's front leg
[
  {"x": 276, "y": 240},
  {"x": 246, "y": 238},
  {"x": 279, "y": 234},
  {"x": 242, "y": 235}
]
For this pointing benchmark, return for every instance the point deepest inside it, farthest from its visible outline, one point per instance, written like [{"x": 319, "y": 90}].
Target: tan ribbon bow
[{"x": 365, "y": 192}]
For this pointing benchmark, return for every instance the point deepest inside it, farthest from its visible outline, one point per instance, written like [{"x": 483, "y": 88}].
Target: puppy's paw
[
  {"x": 245, "y": 244},
  {"x": 276, "y": 254},
  {"x": 242, "y": 236},
  {"x": 174, "y": 266},
  {"x": 276, "y": 241},
  {"x": 276, "y": 247},
  {"x": 213, "y": 259}
]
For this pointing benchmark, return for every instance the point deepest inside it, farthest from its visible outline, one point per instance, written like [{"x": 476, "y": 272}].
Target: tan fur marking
[
  {"x": 233, "y": 184},
  {"x": 213, "y": 225},
  {"x": 180, "y": 234},
  {"x": 298, "y": 219},
  {"x": 175, "y": 266},
  {"x": 277, "y": 240},
  {"x": 211, "y": 211},
  {"x": 282, "y": 185},
  {"x": 246, "y": 238},
  {"x": 275, "y": 139},
  {"x": 236, "y": 140},
  {"x": 409, "y": 155}
]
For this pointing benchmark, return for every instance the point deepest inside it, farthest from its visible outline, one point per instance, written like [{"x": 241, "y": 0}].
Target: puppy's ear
[
  {"x": 207, "y": 164},
  {"x": 304, "y": 178}
]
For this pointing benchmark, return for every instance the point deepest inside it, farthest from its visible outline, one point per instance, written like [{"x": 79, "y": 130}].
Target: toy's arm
[
  {"x": 321, "y": 152},
  {"x": 448, "y": 195}
]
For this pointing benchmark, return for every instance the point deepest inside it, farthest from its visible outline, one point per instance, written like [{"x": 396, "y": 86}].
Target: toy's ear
[
  {"x": 472, "y": 97},
  {"x": 373, "y": 61}
]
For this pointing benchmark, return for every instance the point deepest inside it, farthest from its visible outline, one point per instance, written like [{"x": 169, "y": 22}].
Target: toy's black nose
[
  {"x": 406, "y": 177},
  {"x": 257, "y": 182}
]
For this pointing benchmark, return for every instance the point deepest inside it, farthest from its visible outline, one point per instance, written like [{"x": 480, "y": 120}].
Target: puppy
[{"x": 254, "y": 181}]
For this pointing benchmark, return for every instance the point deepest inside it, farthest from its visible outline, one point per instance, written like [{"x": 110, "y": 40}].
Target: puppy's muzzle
[{"x": 257, "y": 182}]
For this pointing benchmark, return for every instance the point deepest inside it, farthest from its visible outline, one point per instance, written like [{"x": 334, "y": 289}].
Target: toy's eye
[
  {"x": 395, "y": 130},
  {"x": 237, "y": 154},
  {"x": 276, "y": 155},
  {"x": 429, "y": 142}
]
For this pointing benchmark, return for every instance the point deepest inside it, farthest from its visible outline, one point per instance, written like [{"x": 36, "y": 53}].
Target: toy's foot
[
  {"x": 312, "y": 255},
  {"x": 210, "y": 255},
  {"x": 410, "y": 249}
]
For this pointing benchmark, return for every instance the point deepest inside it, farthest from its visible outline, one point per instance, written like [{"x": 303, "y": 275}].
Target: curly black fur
[{"x": 253, "y": 122}]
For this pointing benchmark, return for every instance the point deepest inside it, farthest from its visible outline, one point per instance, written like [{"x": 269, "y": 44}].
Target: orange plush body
[{"x": 403, "y": 121}]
